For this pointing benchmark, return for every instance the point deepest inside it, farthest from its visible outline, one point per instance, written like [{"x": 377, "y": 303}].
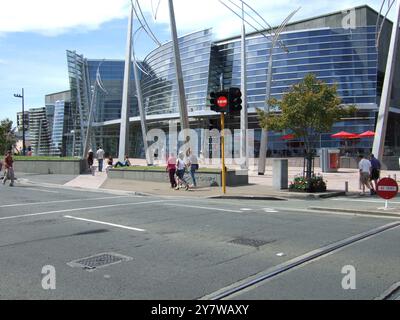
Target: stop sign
[
  {"x": 222, "y": 101},
  {"x": 387, "y": 188}
]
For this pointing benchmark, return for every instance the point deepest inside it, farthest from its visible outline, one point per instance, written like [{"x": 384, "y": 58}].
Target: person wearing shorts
[
  {"x": 365, "y": 170},
  {"x": 375, "y": 170}
]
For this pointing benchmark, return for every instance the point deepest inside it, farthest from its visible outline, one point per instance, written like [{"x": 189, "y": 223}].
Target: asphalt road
[{"x": 184, "y": 248}]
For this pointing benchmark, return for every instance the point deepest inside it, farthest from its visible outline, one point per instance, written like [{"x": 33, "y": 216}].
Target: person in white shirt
[
  {"x": 365, "y": 170},
  {"x": 180, "y": 171},
  {"x": 100, "y": 158}
]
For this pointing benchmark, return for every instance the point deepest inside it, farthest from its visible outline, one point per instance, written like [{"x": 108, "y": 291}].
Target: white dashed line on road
[
  {"x": 204, "y": 208},
  {"x": 41, "y": 190},
  {"x": 80, "y": 209},
  {"x": 106, "y": 223},
  {"x": 59, "y": 201}
]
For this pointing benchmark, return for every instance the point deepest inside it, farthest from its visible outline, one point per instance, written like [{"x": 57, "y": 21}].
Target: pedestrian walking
[
  {"x": 365, "y": 170},
  {"x": 100, "y": 157},
  {"x": 171, "y": 168},
  {"x": 375, "y": 170},
  {"x": 90, "y": 161},
  {"x": 8, "y": 169},
  {"x": 193, "y": 164},
  {"x": 180, "y": 171}
]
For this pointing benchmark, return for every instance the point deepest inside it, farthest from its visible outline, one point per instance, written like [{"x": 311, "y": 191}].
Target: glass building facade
[
  {"x": 159, "y": 82},
  {"x": 345, "y": 57}
]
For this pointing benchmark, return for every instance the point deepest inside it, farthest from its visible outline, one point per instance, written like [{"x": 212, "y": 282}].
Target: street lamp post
[
  {"x": 73, "y": 142},
  {"x": 17, "y": 95}
]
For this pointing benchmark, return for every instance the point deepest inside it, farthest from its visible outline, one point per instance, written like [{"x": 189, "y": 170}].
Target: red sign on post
[{"x": 387, "y": 188}]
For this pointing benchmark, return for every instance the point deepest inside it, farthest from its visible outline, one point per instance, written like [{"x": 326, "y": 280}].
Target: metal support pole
[
  {"x": 184, "y": 118},
  {"x": 92, "y": 102},
  {"x": 264, "y": 133},
  {"x": 23, "y": 123},
  {"x": 124, "y": 127},
  {"x": 142, "y": 110},
  {"x": 244, "y": 148},
  {"x": 223, "y": 172},
  {"x": 40, "y": 138},
  {"x": 381, "y": 125},
  {"x": 73, "y": 144}
]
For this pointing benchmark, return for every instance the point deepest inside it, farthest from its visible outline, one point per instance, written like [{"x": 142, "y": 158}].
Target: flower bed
[{"x": 300, "y": 184}]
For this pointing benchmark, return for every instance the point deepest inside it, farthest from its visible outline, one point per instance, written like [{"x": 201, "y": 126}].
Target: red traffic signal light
[{"x": 219, "y": 101}]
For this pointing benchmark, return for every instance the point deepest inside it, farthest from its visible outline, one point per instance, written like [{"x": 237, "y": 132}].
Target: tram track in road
[{"x": 252, "y": 282}]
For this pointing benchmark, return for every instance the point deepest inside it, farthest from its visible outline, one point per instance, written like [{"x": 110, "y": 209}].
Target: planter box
[
  {"x": 203, "y": 178},
  {"x": 73, "y": 167}
]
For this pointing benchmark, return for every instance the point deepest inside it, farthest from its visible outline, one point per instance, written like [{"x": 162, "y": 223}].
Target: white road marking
[
  {"x": 204, "y": 208},
  {"x": 362, "y": 200},
  {"x": 106, "y": 223},
  {"x": 41, "y": 190},
  {"x": 80, "y": 209},
  {"x": 59, "y": 201},
  {"x": 270, "y": 210},
  {"x": 246, "y": 209}
]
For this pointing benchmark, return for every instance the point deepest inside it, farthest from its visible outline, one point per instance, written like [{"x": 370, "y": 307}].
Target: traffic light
[
  {"x": 213, "y": 101},
  {"x": 219, "y": 101},
  {"x": 235, "y": 101}
]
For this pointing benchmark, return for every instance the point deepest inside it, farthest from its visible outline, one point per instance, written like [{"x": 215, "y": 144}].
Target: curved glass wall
[
  {"x": 345, "y": 57},
  {"x": 108, "y": 103},
  {"x": 159, "y": 83}
]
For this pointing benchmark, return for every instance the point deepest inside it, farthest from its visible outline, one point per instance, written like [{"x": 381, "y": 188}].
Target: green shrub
[{"x": 300, "y": 184}]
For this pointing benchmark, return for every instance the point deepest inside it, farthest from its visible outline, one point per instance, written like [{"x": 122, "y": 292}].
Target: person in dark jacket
[{"x": 90, "y": 161}]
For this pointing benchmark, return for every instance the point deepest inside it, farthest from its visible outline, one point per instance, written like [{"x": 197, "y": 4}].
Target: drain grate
[
  {"x": 251, "y": 242},
  {"x": 99, "y": 260}
]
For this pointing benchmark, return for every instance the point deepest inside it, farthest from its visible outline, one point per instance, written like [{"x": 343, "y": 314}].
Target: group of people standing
[
  {"x": 176, "y": 168},
  {"x": 369, "y": 172},
  {"x": 100, "y": 156},
  {"x": 8, "y": 168}
]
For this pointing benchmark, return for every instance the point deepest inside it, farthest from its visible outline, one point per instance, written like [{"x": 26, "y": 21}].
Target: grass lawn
[{"x": 33, "y": 158}]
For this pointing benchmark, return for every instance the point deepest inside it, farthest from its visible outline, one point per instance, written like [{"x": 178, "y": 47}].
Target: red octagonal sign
[{"x": 387, "y": 188}]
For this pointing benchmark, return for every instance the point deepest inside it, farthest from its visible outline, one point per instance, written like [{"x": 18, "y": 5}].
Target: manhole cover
[
  {"x": 99, "y": 261},
  {"x": 251, "y": 242}
]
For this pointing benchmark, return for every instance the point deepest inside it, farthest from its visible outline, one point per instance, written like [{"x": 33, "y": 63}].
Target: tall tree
[
  {"x": 310, "y": 108},
  {"x": 7, "y": 136}
]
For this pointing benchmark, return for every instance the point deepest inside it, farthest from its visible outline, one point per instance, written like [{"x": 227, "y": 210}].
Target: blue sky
[{"x": 34, "y": 35}]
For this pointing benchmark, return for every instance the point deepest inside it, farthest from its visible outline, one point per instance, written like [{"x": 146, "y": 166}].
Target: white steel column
[
  {"x": 244, "y": 152},
  {"x": 381, "y": 125},
  {"x": 124, "y": 128},
  {"x": 142, "y": 110},
  {"x": 184, "y": 119},
  {"x": 264, "y": 133}
]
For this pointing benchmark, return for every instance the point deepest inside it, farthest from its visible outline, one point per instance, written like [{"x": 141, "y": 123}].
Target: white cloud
[
  {"x": 53, "y": 17},
  {"x": 50, "y": 17}
]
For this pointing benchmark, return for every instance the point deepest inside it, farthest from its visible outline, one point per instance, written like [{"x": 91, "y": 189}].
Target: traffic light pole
[{"x": 223, "y": 178}]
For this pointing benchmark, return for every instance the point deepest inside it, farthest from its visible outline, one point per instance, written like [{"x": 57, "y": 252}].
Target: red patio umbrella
[
  {"x": 366, "y": 134},
  {"x": 344, "y": 135},
  {"x": 288, "y": 137}
]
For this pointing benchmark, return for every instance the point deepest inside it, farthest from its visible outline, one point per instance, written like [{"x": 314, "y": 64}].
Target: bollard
[
  {"x": 346, "y": 186},
  {"x": 395, "y": 177}
]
